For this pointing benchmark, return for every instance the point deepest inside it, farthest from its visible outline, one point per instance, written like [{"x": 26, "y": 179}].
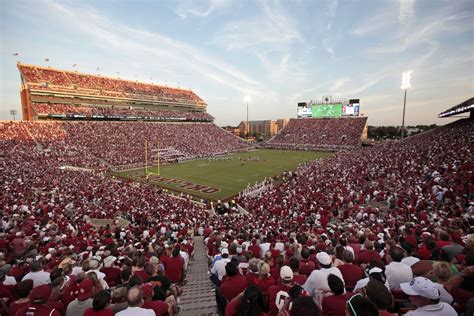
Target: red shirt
[
  {"x": 37, "y": 310},
  {"x": 112, "y": 276},
  {"x": 174, "y": 268},
  {"x": 306, "y": 267},
  {"x": 232, "y": 286},
  {"x": 264, "y": 284},
  {"x": 14, "y": 307},
  {"x": 142, "y": 274},
  {"x": 159, "y": 307},
  {"x": 105, "y": 312},
  {"x": 366, "y": 255},
  {"x": 231, "y": 308},
  {"x": 351, "y": 274},
  {"x": 255, "y": 250},
  {"x": 335, "y": 305},
  {"x": 300, "y": 279},
  {"x": 276, "y": 298}
]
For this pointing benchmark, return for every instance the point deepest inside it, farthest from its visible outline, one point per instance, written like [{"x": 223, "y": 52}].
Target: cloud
[
  {"x": 133, "y": 41},
  {"x": 424, "y": 34},
  {"x": 273, "y": 26},
  {"x": 184, "y": 11},
  {"x": 406, "y": 13},
  {"x": 375, "y": 24}
]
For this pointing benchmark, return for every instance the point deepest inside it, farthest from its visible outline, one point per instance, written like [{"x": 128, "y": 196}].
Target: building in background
[{"x": 264, "y": 129}]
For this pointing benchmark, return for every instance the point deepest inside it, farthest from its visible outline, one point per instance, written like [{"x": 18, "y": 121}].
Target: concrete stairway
[{"x": 198, "y": 298}]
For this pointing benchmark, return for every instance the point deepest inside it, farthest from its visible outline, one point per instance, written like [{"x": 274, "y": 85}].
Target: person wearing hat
[
  {"x": 425, "y": 296},
  {"x": 218, "y": 269},
  {"x": 278, "y": 293},
  {"x": 318, "y": 279},
  {"x": 83, "y": 300},
  {"x": 38, "y": 303}
]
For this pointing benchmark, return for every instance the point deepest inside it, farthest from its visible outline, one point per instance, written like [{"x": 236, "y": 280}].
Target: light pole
[
  {"x": 247, "y": 127},
  {"x": 13, "y": 113},
  {"x": 406, "y": 78}
]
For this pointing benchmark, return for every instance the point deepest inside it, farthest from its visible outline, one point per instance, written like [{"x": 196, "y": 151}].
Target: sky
[{"x": 277, "y": 52}]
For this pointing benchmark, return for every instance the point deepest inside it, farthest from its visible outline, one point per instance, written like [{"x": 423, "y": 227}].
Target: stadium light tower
[
  {"x": 406, "y": 84},
  {"x": 247, "y": 99}
]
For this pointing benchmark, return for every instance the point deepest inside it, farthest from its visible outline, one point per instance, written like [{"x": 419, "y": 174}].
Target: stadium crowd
[
  {"x": 320, "y": 133},
  {"x": 65, "y": 81},
  {"x": 123, "y": 143},
  {"x": 90, "y": 111},
  {"x": 373, "y": 231}
]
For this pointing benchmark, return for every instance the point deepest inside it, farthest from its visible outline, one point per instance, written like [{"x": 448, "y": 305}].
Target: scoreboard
[{"x": 329, "y": 109}]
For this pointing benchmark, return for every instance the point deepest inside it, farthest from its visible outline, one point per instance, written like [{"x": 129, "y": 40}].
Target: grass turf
[{"x": 224, "y": 178}]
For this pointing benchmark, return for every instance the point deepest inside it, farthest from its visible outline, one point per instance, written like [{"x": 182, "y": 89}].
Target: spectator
[
  {"x": 22, "y": 291},
  {"x": 425, "y": 296},
  {"x": 350, "y": 272},
  {"x": 378, "y": 294},
  {"x": 396, "y": 271},
  {"x": 359, "y": 305},
  {"x": 37, "y": 274},
  {"x": 84, "y": 299},
  {"x": 135, "y": 303},
  {"x": 248, "y": 303},
  {"x": 100, "y": 305},
  {"x": 319, "y": 278},
  {"x": 334, "y": 305},
  {"x": 278, "y": 293}
]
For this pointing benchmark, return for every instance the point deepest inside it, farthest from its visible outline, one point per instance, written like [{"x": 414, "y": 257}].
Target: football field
[{"x": 225, "y": 177}]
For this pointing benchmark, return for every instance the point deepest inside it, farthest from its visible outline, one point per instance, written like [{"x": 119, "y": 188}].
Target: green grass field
[{"x": 222, "y": 179}]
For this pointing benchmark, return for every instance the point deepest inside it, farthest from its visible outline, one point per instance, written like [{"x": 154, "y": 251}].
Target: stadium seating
[
  {"x": 414, "y": 194},
  {"x": 320, "y": 133},
  {"x": 40, "y": 78},
  {"x": 122, "y": 144},
  {"x": 91, "y": 111}
]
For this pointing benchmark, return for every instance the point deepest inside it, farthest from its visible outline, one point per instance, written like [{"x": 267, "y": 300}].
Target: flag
[
  {"x": 15, "y": 54},
  {"x": 73, "y": 65},
  {"x": 46, "y": 59}
]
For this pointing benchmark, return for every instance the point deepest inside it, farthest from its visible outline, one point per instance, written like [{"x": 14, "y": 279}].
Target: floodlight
[
  {"x": 406, "y": 78},
  {"x": 247, "y": 99}
]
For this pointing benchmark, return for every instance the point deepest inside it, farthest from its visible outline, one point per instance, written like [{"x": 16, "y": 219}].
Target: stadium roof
[{"x": 463, "y": 107}]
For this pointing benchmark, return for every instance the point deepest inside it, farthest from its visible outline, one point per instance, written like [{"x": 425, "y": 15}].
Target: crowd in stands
[
  {"x": 65, "y": 81},
  {"x": 123, "y": 143},
  {"x": 90, "y": 111},
  {"x": 373, "y": 231},
  {"x": 320, "y": 133}
]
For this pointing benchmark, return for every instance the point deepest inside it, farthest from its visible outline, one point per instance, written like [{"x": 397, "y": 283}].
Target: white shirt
[
  {"x": 219, "y": 268},
  {"x": 264, "y": 247},
  {"x": 318, "y": 280},
  {"x": 363, "y": 283},
  {"x": 440, "y": 309},
  {"x": 444, "y": 295},
  {"x": 39, "y": 278},
  {"x": 397, "y": 273},
  {"x": 135, "y": 311},
  {"x": 9, "y": 280}
]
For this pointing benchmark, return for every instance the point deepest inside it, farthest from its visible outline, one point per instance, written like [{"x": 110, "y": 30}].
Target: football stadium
[{"x": 129, "y": 197}]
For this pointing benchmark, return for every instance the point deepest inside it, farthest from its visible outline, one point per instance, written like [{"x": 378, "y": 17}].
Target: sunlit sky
[{"x": 277, "y": 52}]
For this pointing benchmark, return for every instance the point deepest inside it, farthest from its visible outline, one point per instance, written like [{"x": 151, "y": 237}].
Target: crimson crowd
[
  {"x": 373, "y": 231},
  {"x": 328, "y": 133},
  {"x": 89, "y": 111},
  {"x": 72, "y": 82},
  {"x": 123, "y": 143}
]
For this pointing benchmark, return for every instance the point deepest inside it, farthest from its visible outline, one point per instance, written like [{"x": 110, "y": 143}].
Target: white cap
[
  {"x": 324, "y": 258},
  {"x": 224, "y": 251},
  {"x": 286, "y": 273},
  {"x": 421, "y": 286}
]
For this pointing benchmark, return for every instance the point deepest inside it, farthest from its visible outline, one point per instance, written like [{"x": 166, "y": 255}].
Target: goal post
[{"x": 149, "y": 160}]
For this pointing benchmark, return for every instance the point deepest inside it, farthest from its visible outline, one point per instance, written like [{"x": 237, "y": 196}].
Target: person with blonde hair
[{"x": 442, "y": 271}]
